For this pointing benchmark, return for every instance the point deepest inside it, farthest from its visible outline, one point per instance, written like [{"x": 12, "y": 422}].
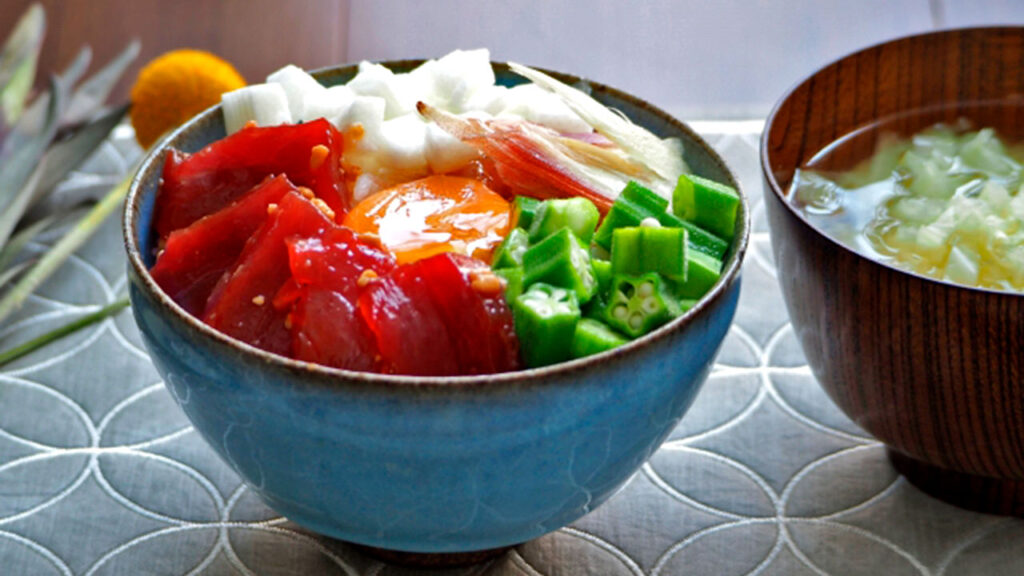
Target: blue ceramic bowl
[{"x": 423, "y": 464}]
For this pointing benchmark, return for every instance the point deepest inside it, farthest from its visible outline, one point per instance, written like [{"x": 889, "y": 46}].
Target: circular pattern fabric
[{"x": 101, "y": 474}]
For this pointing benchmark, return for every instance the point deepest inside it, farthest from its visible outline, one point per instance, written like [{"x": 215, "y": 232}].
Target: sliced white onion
[
  {"x": 332, "y": 104},
  {"x": 444, "y": 152},
  {"x": 368, "y": 112},
  {"x": 1016, "y": 205},
  {"x": 489, "y": 99},
  {"x": 995, "y": 195},
  {"x": 419, "y": 83},
  {"x": 931, "y": 240},
  {"x": 298, "y": 86},
  {"x": 376, "y": 80},
  {"x": 459, "y": 74},
  {"x": 404, "y": 141},
  {"x": 963, "y": 265},
  {"x": 264, "y": 104}
]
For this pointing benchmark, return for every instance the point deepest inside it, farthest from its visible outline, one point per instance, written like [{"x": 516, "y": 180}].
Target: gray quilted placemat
[{"x": 101, "y": 474}]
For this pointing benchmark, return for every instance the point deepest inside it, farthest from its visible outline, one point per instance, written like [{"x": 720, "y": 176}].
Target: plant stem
[
  {"x": 60, "y": 251},
  {"x": 40, "y": 341}
]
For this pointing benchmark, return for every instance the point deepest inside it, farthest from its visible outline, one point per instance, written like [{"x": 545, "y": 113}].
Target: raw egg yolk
[{"x": 433, "y": 215}]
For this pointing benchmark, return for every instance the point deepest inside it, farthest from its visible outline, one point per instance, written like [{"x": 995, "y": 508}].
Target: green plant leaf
[
  {"x": 38, "y": 342},
  {"x": 60, "y": 251},
  {"x": 88, "y": 99},
  {"x": 31, "y": 164},
  {"x": 12, "y": 272},
  {"x": 24, "y": 147},
  {"x": 35, "y": 120},
  {"x": 21, "y": 238},
  {"x": 18, "y": 60},
  {"x": 69, "y": 153},
  {"x": 20, "y": 171}
]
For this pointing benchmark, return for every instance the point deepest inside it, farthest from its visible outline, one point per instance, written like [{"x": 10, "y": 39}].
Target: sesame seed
[
  {"x": 306, "y": 193},
  {"x": 259, "y": 300},
  {"x": 371, "y": 239},
  {"x": 317, "y": 156},
  {"x": 366, "y": 278},
  {"x": 271, "y": 209},
  {"x": 319, "y": 203},
  {"x": 485, "y": 282}
]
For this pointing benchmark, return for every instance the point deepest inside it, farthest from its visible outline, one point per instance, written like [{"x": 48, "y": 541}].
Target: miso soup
[{"x": 945, "y": 203}]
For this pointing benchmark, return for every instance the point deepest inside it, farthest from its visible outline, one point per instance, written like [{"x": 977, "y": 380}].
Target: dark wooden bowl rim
[{"x": 776, "y": 188}]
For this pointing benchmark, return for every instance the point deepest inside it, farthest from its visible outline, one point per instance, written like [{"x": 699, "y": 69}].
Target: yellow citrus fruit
[{"x": 175, "y": 87}]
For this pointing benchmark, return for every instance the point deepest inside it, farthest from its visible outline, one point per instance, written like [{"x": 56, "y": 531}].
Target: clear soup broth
[{"x": 944, "y": 201}]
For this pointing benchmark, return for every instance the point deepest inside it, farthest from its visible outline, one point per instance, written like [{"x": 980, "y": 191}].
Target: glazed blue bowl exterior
[{"x": 430, "y": 464}]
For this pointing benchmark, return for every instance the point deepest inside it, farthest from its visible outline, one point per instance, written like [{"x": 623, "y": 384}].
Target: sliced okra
[
  {"x": 513, "y": 278},
  {"x": 510, "y": 252},
  {"x": 523, "y": 209},
  {"x": 708, "y": 204},
  {"x": 602, "y": 273},
  {"x": 545, "y": 320},
  {"x": 594, "y": 337},
  {"x": 642, "y": 249},
  {"x": 622, "y": 214},
  {"x": 702, "y": 271},
  {"x": 561, "y": 260},
  {"x": 579, "y": 215},
  {"x": 703, "y": 241},
  {"x": 644, "y": 198},
  {"x": 639, "y": 304}
]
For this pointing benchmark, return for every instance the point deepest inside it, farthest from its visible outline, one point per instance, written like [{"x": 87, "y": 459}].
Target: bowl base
[
  {"x": 432, "y": 559},
  {"x": 978, "y": 493}
]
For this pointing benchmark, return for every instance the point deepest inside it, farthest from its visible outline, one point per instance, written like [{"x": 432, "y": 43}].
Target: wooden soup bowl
[{"x": 932, "y": 369}]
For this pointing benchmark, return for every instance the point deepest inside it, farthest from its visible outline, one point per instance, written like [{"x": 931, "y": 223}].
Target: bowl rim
[
  {"x": 776, "y": 189},
  {"x": 327, "y": 376}
]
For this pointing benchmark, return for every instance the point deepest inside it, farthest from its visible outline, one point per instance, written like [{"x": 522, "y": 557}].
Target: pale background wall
[
  {"x": 697, "y": 58},
  {"x": 700, "y": 59}
]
